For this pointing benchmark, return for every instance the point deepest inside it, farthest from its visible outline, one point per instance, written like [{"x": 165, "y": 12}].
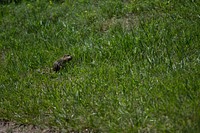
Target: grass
[{"x": 135, "y": 67}]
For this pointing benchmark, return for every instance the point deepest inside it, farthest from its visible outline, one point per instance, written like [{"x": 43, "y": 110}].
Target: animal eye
[{"x": 66, "y": 55}]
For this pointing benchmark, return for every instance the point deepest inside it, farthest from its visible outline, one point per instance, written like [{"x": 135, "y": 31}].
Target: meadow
[{"x": 135, "y": 66}]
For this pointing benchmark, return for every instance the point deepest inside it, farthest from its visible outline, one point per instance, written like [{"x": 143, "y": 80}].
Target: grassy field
[{"x": 135, "y": 67}]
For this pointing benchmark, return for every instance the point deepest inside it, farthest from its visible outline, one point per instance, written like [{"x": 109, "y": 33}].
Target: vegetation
[{"x": 135, "y": 67}]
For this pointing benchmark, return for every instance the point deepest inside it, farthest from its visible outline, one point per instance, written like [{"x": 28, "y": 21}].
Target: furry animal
[{"x": 61, "y": 62}]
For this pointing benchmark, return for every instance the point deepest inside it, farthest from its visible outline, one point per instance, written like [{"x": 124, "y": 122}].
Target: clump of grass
[{"x": 135, "y": 65}]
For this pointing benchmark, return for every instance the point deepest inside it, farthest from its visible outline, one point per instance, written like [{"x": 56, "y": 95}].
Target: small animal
[{"x": 61, "y": 62}]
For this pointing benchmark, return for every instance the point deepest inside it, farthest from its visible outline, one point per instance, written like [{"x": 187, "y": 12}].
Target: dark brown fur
[{"x": 61, "y": 62}]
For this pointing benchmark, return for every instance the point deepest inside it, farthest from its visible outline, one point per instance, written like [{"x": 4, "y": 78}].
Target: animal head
[{"x": 67, "y": 57}]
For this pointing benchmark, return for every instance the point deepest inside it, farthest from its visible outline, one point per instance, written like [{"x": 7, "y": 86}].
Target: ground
[{"x": 11, "y": 127}]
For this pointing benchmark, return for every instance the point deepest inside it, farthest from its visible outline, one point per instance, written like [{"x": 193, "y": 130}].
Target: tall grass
[{"x": 135, "y": 65}]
